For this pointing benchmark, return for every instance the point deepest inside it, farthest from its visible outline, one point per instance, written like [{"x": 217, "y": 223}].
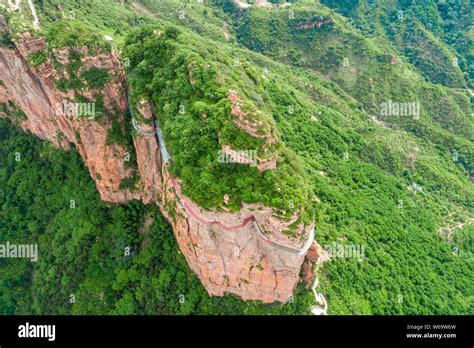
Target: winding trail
[
  {"x": 36, "y": 22},
  {"x": 16, "y": 6},
  {"x": 321, "y": 307},
  {"x": 192, "y": 212}
]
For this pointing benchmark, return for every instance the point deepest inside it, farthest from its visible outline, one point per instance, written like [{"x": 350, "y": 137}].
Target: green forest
[
  {"x": 316, "y": 74},
  {"x": 94, "y": 257}
]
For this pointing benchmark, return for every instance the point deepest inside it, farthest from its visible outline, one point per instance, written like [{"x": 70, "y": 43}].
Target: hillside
[{"x": 357, "y": 121}]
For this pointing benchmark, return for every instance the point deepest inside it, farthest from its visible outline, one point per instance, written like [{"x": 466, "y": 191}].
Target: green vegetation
[
  {"x": 433, "y": 35},
  {"x": 96, "y": 78},
  {"x": 73, "y": 81},
  {"x": 409, "y": 268},
  {"x": 11, "y": 109},
  {"x": 400, "y": 186},
  {"x": 94, "y": 258},
  {"x": 93, "y": 77},
  {"x": 5, "y": 40},
  {"x": 360, "y": 196},
  {"x": 38, "y": 58},
  {"x": 185, "y": 82},
  {"x": 74, "y": 33}
]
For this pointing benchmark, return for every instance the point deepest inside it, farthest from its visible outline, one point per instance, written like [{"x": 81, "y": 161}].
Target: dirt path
[
  {"x": 36, "y": 22},
  {"x": 16, "y": 6},
  {"x": 321, "y": 306}
]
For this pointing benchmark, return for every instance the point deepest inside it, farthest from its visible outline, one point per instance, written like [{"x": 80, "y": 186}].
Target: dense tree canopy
[{"x": 400, "y": 187}]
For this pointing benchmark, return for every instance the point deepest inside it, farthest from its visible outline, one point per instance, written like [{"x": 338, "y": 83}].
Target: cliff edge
[{"x": 247, "y": 252}]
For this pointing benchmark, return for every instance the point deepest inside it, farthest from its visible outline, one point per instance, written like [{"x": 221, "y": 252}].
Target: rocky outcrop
[
  {"x": 226, "y": 250},
  {"x": 315, "y": 257},
  {"x": 247, "y": 121},
  {"x": 314, "y": 23},
  {"x": 34, "y": 92},
  {"x": 236, "y": 261},
  {"x": 148, "y": 158},
  {"x": 244, "y": 253}
]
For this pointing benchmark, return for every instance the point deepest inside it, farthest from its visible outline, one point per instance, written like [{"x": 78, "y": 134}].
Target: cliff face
[
  {"x": 244, "y": 253},
  {"x": 34, "y": 92},
  {"x": 237, "y": 261}
]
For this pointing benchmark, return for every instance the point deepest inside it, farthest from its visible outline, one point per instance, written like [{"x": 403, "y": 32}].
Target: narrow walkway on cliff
[{"x": 191, "y": 211}]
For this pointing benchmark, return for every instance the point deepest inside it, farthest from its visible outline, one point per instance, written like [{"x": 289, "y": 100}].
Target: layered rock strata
[{"x": 244, "y": 253}]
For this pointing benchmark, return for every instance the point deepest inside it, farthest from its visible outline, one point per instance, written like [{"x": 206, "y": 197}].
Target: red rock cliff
[
  {"x": 254, "y": 260},
  {"x": 34, "y": 92}
]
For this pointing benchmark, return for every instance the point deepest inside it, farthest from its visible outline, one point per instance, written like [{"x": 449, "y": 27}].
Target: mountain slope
[{"x": 395, "y": 186}]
